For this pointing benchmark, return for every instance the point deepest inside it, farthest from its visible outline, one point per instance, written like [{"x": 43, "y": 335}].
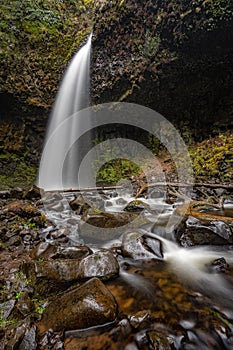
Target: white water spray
[{"x": 73, "y": 96}]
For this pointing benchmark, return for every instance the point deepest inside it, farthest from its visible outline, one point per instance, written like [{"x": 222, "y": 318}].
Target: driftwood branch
[{"x": 195, "y": 203}]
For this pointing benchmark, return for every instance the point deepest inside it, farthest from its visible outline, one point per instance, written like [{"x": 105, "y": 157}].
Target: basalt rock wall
[{"x": 175, "y": 57}]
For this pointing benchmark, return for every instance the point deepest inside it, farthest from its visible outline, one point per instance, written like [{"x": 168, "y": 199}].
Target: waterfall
[{"x": 59, "y": 163}]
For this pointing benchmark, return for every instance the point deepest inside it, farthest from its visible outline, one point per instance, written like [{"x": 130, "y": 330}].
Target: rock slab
[{"x": 89, "y": 305}]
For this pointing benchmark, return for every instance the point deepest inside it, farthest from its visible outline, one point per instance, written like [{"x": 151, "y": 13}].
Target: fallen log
[{"x": 144, "y": 186}]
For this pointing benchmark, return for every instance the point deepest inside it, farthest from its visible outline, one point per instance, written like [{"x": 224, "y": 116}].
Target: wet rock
[
  {"x": 22, "y": 214},
  {"x": 24, "y": 304},
  {"x": 104, "y": 226},
  {"x": 78, "y": 205},
  {"x": 121, "y": 201},
  {"x": 31, "y": 192},
  {"x": 102, "y": 264},
  {"x": 14, "y": 241},
  {"x": 136, "y": 206},
  {"x": 5, "y": 194},
  {"x": 51, "y": 340},
  {"x": 160, "y": 340},
  {"x": 17, "y": 335},
  {"x": 142, "y": 340},
  {"x": 59, "y": 270},
  {"x": 72, "y": 252},
  {"x": 109, "y": 220},
  {"x": 122, "y": 330},
  {"x": 193, "y": 231},
  {"x": 131, "y": 346},
  {"x": 60, "y": 234},
  {"x": 51, "y": 277},
  {"x": 29, "y": 340},
  {"x": 21, "y": 208},
  {"x": 228, "y": 203},
  {"x": 218, "y": 265},
  {"x": 16, "y": 192},
  {"x": 88, "y": 305},
  {"x": 7, "y": 308},
  {"x": 54, "y": 275},
  {"x": 134, "y": 246},
  {"x": 46, "y": 250},
  {"x": 154, "y": 245},
  {"x": 140, "y": 320}
]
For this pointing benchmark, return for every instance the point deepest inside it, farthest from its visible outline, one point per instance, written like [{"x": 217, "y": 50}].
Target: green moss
[
  {"x": 15, "y": 166},
  {"x": 213, "y": 158},
  {"x": 23, "y": 174},
  {"x": 154, "y": 143},
  {"x": 115, "y": 170},
  {"x": 38, "y": 39},
  {"x": 151, "y": 45}
]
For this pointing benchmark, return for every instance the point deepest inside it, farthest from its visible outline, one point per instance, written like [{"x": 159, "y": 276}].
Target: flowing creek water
[{"x": 176, "y": 295}]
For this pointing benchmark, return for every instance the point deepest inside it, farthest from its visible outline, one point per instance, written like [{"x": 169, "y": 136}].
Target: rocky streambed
[{"x": 103, "y": 270}]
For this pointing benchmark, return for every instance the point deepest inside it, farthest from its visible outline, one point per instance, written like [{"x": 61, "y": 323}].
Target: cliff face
[
  {"x": 175, "y": 57},
  {"x": 38, "y": 39}
]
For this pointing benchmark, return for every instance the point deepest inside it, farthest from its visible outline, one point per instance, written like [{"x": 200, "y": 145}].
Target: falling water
[{"x": 73, "y": 96}]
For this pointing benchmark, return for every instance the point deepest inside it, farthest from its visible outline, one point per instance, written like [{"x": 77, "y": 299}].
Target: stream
[{"x": 180, "y": 300}]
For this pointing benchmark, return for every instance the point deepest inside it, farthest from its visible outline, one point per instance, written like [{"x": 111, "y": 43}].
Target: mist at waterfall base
[{"x": 72, "y": 97}]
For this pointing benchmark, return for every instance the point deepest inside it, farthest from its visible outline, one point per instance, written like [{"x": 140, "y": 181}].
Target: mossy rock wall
[
  {"x": 38, "y": 39},
  {"x": 22, "y": 129}
]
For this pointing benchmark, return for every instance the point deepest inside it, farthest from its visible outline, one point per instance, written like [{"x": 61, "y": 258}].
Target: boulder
[
  {"x": 88, "y": 305},
  {"x": 160, "y": 340},
  {"x": 55, "y": 275},
  {"x": 31, "y": 192},
  {"x": 193, "y": 231},
  {"x": 29, "y": 340},
  {"x": 58, "y": 270},
  {"x": 140, "y": 319},
  {"x": 217, "y": 265},
  {"x": 100, "y": 227},
  {"x": 6, "y": 308},
  {"x": 136, "y": 206},
  {"x": 134, "y": 245},
  {"x": 46, "y": 250},
  {"x": 102, "y": 264}
]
